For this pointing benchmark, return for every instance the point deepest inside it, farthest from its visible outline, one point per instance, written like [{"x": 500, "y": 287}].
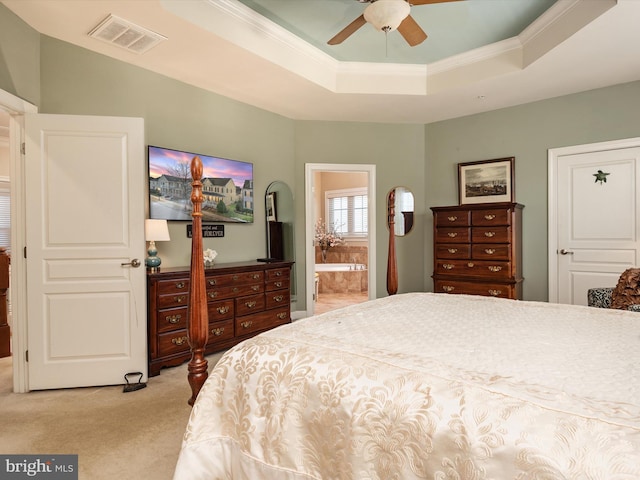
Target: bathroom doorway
[{"x": 340, "y": 199}]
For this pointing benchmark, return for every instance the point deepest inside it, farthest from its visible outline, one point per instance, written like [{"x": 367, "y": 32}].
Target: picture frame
[
  {"x": 487, "y": 181},
  {"x": 271, "y": 207}
]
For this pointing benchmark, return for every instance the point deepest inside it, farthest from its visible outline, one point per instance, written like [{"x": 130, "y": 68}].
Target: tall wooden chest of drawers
[
  {"x": 243, "y": 299},
  {"x": 478, "y": 249}
]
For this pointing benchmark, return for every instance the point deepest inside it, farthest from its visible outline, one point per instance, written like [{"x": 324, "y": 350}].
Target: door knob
[
  {"x": 135, "y": 263},
  {"x": 565, "y": 252}
]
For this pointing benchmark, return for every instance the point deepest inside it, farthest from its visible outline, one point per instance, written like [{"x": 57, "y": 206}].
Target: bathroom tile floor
[{"x": 332, "y": 301}]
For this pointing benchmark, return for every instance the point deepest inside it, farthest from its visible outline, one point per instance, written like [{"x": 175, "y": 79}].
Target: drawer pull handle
[
  {"x": 494, "y": 268},
  {"x": 179, "y": 340},
  {"x": 179, "y": 299},
  {"x": 448, "y": 288},
  {"x": 213, "y": 283},
  {"x": 282, "y": 315},
  {"x": 489, "y": 251},
  {"x": 278, "y": 284},
  {"x": 174, "y": 319},
  {"x": 452, "y": 218},
  {"x": 278, "y": 273},
  {"x": 256, "y": 276},
  {"x": 223, "y": 310},
  {"x": 489, "y": 216},
  {"x": 278, "y": 298},
  {"x": 255, "y": 288},
  {"x": 236, "y": 289},
  {"x": 180, "y": 285},
  {"x": 447, "y": 266},
  {"x": 470, "y": 264},
  {"x": 247, "y": 324},
  {"x": 235, "y": 277},
  {"x": 212, "y": 294},
  {"x": 217, "y": 331},
  {"x": 494, "y": 293},
  {"x": 489, "y": 234},
  {"x": 250, "y": 304},
  {"x": 452, "y": 250},
  {"x": 453, "y": 234}
]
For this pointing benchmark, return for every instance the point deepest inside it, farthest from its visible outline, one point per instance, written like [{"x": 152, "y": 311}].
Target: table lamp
[{"x": 155, "y": 231}]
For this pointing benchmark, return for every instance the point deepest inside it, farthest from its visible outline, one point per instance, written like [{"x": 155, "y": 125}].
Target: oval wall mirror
[{"x": 403, "y": 218}]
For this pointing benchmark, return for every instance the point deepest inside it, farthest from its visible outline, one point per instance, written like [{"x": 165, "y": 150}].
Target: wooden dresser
[
  {"x": 478, "y": 249},
  {"x": 243, "y": 299}
]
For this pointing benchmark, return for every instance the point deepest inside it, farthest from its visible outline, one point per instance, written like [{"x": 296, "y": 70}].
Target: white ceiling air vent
[{"x": 124, "y": 34}]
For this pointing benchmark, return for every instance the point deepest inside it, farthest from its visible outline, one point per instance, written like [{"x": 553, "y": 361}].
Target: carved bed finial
[
  {"x": 198, "y": 320},
  {"x": 392, "y": 266}
]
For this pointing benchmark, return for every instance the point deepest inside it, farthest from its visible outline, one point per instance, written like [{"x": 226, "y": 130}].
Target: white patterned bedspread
[{"x": 430, "y": 386}]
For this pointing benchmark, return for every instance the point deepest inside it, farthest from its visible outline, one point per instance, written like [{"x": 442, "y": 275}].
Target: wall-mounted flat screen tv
[{"x": 227, "y": 187}]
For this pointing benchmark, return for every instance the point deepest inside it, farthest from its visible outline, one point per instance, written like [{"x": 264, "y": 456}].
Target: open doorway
[{"x": 338, "y": 206}]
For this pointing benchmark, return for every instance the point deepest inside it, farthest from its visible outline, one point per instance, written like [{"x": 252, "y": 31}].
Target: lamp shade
[
  {"x": 387, "y": 15},
  {"x": 156, "y": 230}
]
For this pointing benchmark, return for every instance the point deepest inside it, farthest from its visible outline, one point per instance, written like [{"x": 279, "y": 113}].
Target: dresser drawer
[
  {"x": 173, "y": 300},
  {"x": 474, "y": 288},
  {"x": 173, "y": 286},
  {"x": 497, "y": 216},
  {"x": 453, "y": 235},
  {"x": 220, "y": 331},
  {"x": 172, "y": 319},
  {"x": 452, "y": 218},
  {"x": 262, "y": 321},
  {"x": 490, "y": 234},
  {"x": 234, "y": 279},
  {"x": 220, "y": 310},
  {"x": 453, "y": 251},
  {"x": 250, "y": 304},
  {"x": 277, "y": 274},
  {"x": 218, "y": 293},
  {"x": 481, "y": 268},
  {"x": 277, "y": 284},
  {"x": 173, "y": 342},
  {"x": 277, "y": 298},
  {"x": 491, "y": 251}
]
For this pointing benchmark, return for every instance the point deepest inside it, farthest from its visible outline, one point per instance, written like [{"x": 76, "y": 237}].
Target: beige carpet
[{"x": 116, "y": 435}]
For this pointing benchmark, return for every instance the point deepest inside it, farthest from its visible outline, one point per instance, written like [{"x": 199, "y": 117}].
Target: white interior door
[
  {"x": 596, "y": 225},
  {"x": 84, "y": 186}
]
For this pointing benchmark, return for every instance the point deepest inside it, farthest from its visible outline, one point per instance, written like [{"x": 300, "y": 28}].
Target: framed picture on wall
[
  {"x": 486, "y": 181},
  {"x": 271, "y": 207}
]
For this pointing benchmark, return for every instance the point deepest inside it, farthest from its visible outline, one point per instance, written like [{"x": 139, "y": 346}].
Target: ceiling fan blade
[
  {"x": 428, "y": 2},
  {"x": 348, "y": 30},
  {"x": 411, "y": 31}
]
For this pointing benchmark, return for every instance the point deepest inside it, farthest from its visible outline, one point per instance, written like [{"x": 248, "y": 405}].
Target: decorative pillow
[{"x": 627, "y": 292}]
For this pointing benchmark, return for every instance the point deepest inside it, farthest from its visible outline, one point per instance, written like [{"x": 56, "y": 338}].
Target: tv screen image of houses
[{"x": 227, "y": 187}]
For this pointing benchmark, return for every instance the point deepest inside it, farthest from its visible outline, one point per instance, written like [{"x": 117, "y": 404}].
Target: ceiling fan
[{"x": 387, "y": 16}]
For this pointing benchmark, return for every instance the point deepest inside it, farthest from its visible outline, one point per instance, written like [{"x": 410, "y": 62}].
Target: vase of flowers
[
  {"x": 209, "y": 257},
  {"x": 326, "y": 238}
]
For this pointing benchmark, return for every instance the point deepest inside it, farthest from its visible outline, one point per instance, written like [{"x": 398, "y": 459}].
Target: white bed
[{"x": 426, "y": 386}]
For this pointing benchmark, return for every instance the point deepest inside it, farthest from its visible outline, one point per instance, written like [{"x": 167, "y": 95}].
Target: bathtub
[
  {"x": 339, "y": 267},
  {"x": 342, "y": 277}
]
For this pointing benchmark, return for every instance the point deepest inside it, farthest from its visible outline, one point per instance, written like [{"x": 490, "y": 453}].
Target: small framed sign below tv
[{"x": 227, "y": 187}]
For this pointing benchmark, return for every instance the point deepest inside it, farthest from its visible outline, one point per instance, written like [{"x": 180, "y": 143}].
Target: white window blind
[
  {"x": 348, "y": 212},
  {"x": 5, "y": 216}
]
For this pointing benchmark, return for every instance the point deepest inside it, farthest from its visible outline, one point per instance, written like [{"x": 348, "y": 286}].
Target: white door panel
[
  {"x": 597, "y": 227},
  {"x": 85, "y": 181}
]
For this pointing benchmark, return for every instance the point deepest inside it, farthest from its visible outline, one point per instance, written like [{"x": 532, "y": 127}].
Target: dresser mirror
[
  {"x": 403, "y": 208},
  {"x": 279, "y": 223}
]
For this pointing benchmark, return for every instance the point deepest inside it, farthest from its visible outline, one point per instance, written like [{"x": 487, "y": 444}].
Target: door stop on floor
[{"x": 132, "y": 387}]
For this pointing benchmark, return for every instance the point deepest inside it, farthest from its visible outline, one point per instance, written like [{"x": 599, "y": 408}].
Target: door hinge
[
  {"x": 26, "y": 355},
  {"x": 23, "y": 148},
  {"x": 24, "y": 252}
]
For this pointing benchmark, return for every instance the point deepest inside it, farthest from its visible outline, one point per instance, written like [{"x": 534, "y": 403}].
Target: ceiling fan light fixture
[{"x": 387, "y": 15}]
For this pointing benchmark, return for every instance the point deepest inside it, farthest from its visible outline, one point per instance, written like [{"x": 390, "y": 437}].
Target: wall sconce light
[{"x": 155, "y": 231}]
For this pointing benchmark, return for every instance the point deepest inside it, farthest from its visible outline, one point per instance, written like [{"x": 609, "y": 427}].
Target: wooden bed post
[
  {"x": 198, "y": 319},
  {"x": 392, "y": 267}
]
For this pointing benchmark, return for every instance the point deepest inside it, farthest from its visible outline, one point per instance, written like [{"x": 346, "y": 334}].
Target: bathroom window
[{"x": 347, "y": 212}]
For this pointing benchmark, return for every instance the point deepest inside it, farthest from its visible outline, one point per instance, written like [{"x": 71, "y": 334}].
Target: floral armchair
[{"x": 625, "y": 295}]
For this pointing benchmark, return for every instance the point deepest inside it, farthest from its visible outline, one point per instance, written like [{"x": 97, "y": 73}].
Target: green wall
[
  {"x": 65, "y": 79},
  {"x": 526, "y": 132}
]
